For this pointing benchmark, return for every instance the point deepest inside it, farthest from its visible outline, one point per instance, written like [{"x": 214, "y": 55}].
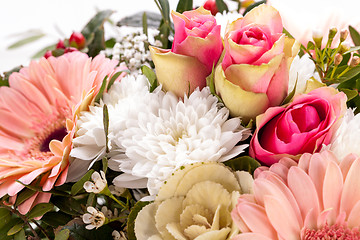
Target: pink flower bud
[
  {"x": 211, "y": 6},
  {"x": 48, "y": 54},
  {"x": 70, "y": 49},
  {"x": 77, "y": 40},
  {"x": 60, "y": 45}
]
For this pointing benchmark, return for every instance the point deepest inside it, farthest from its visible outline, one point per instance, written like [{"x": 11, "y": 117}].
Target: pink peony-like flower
[
  {"x": 196, "y": 48},
  {"x": 302, "y": 126},
  {"x": 38, "y": 120},
  {"x": 254, "y": 72},
  {"x": 318, "y": 198}
]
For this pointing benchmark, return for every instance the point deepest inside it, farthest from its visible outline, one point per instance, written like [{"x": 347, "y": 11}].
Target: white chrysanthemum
[
  {"x": 346, "y": 139},
  {"x": 174, "y": 134},
  {"x": 302, "y": 69},
  {"x": 89, "y": 145},
  {"x": 223, "y": 19}
]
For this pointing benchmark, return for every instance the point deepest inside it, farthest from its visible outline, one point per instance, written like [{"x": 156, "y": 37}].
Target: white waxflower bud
[
  {"x": 93, "y": 218},
  {"x": 98, "y": 183}
]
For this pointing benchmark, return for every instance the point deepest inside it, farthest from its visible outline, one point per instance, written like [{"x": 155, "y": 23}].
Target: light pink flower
[
  {"x": 38, "y": 120},
  {"x": 254, "y": 73},
  {"x": 196, "y": 48},
  {"x": 302, "y": 126},
  {"x": 318, "y": 198}
]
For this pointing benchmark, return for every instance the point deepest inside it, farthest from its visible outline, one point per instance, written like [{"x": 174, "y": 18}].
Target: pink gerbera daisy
[
  {"x": 38, "y": 113},
  {"x": 317, "y": 198}
]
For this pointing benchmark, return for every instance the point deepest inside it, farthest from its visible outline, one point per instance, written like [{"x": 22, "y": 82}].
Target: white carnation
[
  {"x": 346, "y": 139},
  {"x": 170, "y": 133},
  {"x": 124, "y": 100},
  {"x": 301, "y": 70}
]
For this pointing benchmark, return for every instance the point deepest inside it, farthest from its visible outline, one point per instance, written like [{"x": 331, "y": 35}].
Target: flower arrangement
[{"x": 217, "y": 125}]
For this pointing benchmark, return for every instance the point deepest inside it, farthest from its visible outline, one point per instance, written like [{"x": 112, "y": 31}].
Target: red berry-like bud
[
  {"x": 70, "y": 49},
  {"x": 60, "y": 44},
  {"x": 77, "y": 40},
  {"x": 211, "y": 6},
  {"x": 48, "y": 54}
]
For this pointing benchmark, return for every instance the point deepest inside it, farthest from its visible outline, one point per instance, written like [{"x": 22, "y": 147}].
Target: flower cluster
[{"x": 234, "y": 136}]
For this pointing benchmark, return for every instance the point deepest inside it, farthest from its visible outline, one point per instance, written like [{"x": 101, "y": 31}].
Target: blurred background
[{"x": 58, "y": 19}]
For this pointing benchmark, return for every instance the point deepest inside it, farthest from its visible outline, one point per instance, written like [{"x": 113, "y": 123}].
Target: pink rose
[
  {"x": 302, "y": 126},
  {"x": 196, "y": 48},
  {"x": 254, "y": 73}
]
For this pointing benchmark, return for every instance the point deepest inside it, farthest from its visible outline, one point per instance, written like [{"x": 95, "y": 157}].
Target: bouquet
[{"x": 205, "y": 123}]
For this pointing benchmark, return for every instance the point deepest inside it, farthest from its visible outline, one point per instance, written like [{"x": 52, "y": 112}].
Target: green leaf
[
  {"x": 79, "y": 185},
  {"x": 249, "y": 8},
  {"x": 5, "y": 217},
  {"x": 4, "y": 81},
  {"x": 39, "y": 210},
  {"x": 291, "y": 95},
  {"x": 39, "y": 189},
  {"x": 151, "y": 76},
  {"x": 23, "y": 196},
  {"x": 62, "y": 235},
  {"x": 131, "y": 219},
  {"x": 210, "y": 82},
  {"x": 244, "y": 163},
  {"x": 350, "y": 74},
  {"x": 41, "y": 52},
  {"x": 56, "y": 219},
  {"x": 106, "y": 126},
  {"x": 101, "y": 90},
  {"x": 165, "y": 9},
  {"x": 352, "y": 49},
  {"x": 20, "y": 235},
  {"x": 110, "y": 43},
  {"x": 144, "y": 24},
  {"x": 350, "y": 93},
  {"x": 26, "y": 40},
  {"x": 95, "y": 23},
  {"x": 67, "y": 205},
  {"x": 355, "y": 36},
  {"x": 5, "y": 229},
  {"x": 105, "y": 163},
  {"x": 310, "y": 46},
  {"x": 91, "y": 201},
  {"x": 221, "y": 5},
  {"x": 114, "y": 77},
  {"x": 184, "y": 5},
  {"x": 79, "y": 232},
  {"x": 15, "y": 229},
  {"x": 287, "y": 33}
]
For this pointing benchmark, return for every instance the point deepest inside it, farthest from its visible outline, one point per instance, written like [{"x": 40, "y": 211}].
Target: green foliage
[
  {"x": 79, "y": 232},
  {"x": 221, "y": 5},
  {"x": 28, "y": 39},
  {"x": 4, "y": 80},
  {"x": 184, "y": 5},
  {"x": 244, "y": 163},
  {"x": 39, "y": 210},
  {"x": 355, "y": 36},
  {"x": 249, "y": 8},
  {"x": 94, "y": 32},
  {"x": 114, "y": 77},
  {"x": 15, "y": 229},
  {"x": 20, "y": 235},
  {"x": 63, "y": 234},
  {"x": 68, "y": 205},
  {"x": 131, "y": 219},
  {"x": 151, "y": 76},
  {"x": 56, "y": 219},
  {"x": 165, "y": 24},
  {"x": 79, "y": 185}
]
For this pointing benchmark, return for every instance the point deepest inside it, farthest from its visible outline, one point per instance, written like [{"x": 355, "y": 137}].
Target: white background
[{"x": 19, "y": 16}]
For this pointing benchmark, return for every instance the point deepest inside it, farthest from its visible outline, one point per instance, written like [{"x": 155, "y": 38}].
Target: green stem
[{"x": 41, "y": 229}]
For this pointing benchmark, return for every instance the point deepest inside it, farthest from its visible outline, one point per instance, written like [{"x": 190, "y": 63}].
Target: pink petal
[
  {"x": 251, "y": 236},
  {"x": 304, "y": 191},
  {"x": 284, "y": 223},
  {"x": 351, "y": 195},
  {"x": 354, "y": 216}
]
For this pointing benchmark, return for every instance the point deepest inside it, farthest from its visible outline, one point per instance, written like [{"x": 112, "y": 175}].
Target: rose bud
[
  {"x": 196, "y": 49},
  {"x": 60, "y": 45},
  {"x": 254, "y": 73},
  {"x": 77, "y": 40},
  {"x": 211, "y": 6},
  {"x": 48, "y": 54},
  {"x": 70, "y": 49}
]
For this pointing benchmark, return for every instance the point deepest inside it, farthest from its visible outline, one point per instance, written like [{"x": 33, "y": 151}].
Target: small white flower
[
  {"x": 98, "y": 183},
  {"x": 94, "y": 218},
  {"x": 108, "y": 213},
  {"x": 118, "y": 235},
  {"x": 346, "y": 139}
]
